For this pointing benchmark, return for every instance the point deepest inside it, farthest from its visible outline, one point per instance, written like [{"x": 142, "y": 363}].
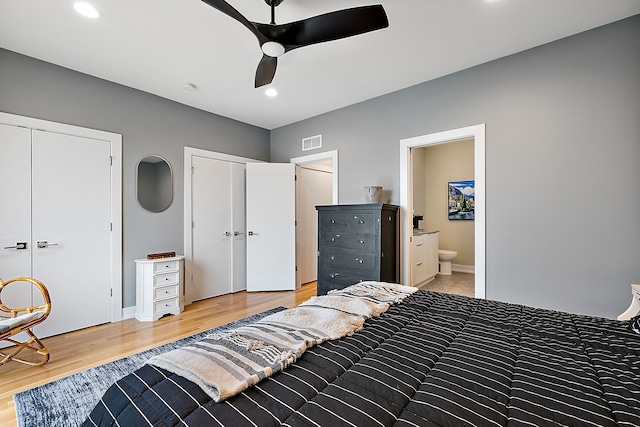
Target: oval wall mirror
[{"x": 154, "y": 183}]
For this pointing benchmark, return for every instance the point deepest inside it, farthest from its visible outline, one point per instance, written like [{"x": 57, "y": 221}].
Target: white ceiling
[{"x": 158, "y": 45}]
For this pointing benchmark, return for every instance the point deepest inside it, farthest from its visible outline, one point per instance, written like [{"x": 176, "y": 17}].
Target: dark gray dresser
[{"x": 357, "y": 243}]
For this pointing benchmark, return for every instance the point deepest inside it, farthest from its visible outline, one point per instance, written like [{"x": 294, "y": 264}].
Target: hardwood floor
[{"x": 84, "y": 349}]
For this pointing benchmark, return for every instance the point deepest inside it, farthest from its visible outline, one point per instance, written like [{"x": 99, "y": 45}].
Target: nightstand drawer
[
  {"x": 165, "y": 292},
  {"x": 165, "y": 305},
  {"x": 166, "y": 279},
  {"x": 162, "y": 266}
]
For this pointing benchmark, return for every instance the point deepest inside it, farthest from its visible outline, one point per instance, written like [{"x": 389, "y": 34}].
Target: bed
[{"x": 431, "y": 360}]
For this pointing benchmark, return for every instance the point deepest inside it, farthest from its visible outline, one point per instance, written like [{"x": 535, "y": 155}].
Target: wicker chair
[{"x": 16, "y": 320}]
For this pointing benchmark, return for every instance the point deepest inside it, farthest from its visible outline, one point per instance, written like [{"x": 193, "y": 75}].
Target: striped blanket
[{"x": 224, "y": 365}]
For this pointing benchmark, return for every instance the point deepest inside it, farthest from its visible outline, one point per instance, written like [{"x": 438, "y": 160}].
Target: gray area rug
[{"x": 68, "y": 401}]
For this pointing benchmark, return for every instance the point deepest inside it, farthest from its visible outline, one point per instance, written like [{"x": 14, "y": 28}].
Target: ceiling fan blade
[
  {"x": 329, "y": 26},
  {"x": 228, "y": 10},
  {"x": 266, "y": 70}
]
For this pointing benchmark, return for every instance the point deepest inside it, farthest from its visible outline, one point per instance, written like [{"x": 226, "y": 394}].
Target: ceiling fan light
[
  {"x": 87, "y": 10},
  {"x": 272, "y": 49}
]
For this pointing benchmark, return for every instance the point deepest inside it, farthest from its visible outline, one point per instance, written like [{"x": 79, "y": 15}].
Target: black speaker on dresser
[{"x": 357, "y": 243}]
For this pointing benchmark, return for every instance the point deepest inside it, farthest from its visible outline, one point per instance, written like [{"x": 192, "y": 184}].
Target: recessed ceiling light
[
  {"x": 271, "y": 92},
  {"x": 87, "y": 10}
]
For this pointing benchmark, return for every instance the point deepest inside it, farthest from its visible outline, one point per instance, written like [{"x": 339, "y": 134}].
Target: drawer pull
[
  {"x": 333, "y": 221},
  {"x": 332, "y": 257},
  {"x": 419, "y": 244},
  {"x": 361, "y": 221},
  {"x": 333, "y": 240},
  {"x": 359, "y": 260},
  {"x": 419, "y": 263},
  {"x": 334, "y": 275},
  {"x": 361, "y": 241}
]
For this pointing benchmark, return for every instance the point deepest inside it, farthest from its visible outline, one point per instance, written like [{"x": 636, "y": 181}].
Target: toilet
[{"x": 445, "y": 257}]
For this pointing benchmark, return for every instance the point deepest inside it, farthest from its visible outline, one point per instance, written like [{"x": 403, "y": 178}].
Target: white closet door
[
  {"x": 271, "y": 235},
  {"x": 211, "y": 228},
  {"x": 239, "y": 226},
  {"x": 71, "y": 223},
  {"x": 15, "y": 213}
]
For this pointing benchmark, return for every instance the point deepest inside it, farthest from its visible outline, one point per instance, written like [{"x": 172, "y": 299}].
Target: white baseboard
[
  {"x": 128, "y": 312},
  {"x": 463, "y": 268}
]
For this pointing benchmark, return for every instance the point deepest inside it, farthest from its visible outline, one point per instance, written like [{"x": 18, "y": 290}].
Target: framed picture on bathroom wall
[{"x": 461, "y": 200}]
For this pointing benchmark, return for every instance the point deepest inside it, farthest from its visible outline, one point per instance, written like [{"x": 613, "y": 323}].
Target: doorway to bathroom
[{"x": 414, "y": 152}]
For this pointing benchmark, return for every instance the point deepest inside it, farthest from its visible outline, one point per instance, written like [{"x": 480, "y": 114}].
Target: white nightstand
[{"x": 159, "y": 287}]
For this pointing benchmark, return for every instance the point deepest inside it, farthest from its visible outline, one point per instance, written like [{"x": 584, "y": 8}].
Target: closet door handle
[
  {"x": 44, "y": 244},
  {"x": 18, "y": 246}
]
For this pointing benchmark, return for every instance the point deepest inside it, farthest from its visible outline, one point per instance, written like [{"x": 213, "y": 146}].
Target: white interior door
[
  {"x": 313, "y": 187},
  {"x": 212, "y": 232},
  {"x": 15, "y": 214},
  {"x": 71, "y": 223},
  {"x": 271, "y": 235}
]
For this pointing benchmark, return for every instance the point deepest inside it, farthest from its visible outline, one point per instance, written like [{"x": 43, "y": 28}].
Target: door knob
[{"x": 18, "y": 246}]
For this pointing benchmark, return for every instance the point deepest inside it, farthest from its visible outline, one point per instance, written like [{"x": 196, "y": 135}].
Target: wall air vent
[{"x": 312, "y": 143}]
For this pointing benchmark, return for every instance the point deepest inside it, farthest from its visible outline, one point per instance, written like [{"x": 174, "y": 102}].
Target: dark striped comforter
[{"x": 433, "y": 360}]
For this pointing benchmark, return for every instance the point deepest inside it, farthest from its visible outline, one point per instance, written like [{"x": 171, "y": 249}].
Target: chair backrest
[{"x": 45, "y": 308}]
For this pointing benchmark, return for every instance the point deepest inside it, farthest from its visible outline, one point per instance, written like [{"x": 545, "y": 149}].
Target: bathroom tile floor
[{"x": 457, "y": 283}]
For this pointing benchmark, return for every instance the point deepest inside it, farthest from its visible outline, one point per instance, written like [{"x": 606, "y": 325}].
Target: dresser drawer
[
  {"x": 166, "y": 279},
  {"x": 345, "y": 277},
  {"x": 165, "y": 292},
  {"x": 359, "y": 241},
  {"x": 162, "y": 266},
  {"x": 340, "y": 258},
  {"x": 165, "y": 305},
  {"x": 353, "y": 222}
]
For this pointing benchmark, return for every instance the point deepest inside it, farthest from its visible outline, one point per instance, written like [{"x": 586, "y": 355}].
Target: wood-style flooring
[{"x": 76, "y": 351}]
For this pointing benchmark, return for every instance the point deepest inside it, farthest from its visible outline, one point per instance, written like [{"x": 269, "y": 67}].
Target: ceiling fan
[{"x": 276, "y": 40}]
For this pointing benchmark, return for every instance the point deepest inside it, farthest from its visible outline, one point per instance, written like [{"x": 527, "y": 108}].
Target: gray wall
[
  {"x": 562, "y": 153},
  {"x": 148, "y": 124}
]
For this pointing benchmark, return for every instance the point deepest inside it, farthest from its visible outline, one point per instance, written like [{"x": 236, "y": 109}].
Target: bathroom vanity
[{"x": 425, "y": 256}]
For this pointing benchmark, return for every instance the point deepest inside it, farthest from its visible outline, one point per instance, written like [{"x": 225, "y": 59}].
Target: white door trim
[
  {"x": 189, "y": 153},
  {"x": 477, "y": 132},
  {"x": 115, "y": 141}
]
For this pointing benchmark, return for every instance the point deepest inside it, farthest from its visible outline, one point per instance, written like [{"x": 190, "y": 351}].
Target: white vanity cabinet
[
  {"x": 425, "y": 257},
  {"x": 159, "y": 284}
]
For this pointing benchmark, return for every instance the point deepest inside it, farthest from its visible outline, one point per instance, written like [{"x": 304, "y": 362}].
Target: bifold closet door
[
  {"x": 218, "y": 228},
  {"x": 271, "y": 229},
  {"x": 71, "y": 221},
  {"x": 56, "y": 223},
  {"x": 15, "y": 211}
]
